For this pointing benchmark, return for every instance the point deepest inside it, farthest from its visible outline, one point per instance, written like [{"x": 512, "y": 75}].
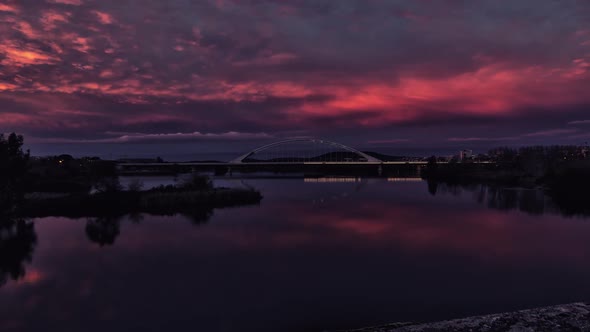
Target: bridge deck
[{"x": 274, "y": 163}]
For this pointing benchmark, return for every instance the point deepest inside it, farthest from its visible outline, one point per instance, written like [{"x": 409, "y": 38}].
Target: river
[{"x": 315, "y": 255}]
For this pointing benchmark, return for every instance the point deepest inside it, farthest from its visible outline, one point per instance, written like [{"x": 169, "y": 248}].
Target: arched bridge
[
  {"x": 321, "y": 151},
  {"x": 291, "y": 154}
]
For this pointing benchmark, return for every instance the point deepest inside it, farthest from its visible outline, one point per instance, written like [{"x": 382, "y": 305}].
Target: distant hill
[
  {"x": 331, "y": 156},
  {"x": 384, "y": 157}
]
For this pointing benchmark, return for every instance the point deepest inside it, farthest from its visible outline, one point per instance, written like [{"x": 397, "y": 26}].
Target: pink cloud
[
  {"x": 268, "y": 60},
  {"x": 104, "y": 18},
  {"x": 26, "y": 29},
  {"x": 67, "y": 2},
  {"x": 163, "y": 137},
  {"x": 7, "y": 86},
  {"x": 9, "y": 8},
  {"x": 12, "y": 119},
  {"x": 19, "y": 56},
  {"x": 51, "y": 18}
]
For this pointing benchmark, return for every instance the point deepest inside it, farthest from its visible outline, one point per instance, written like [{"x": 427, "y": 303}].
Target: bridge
[
  {"x": 297, "y": 154},
  {"x": 322, "y": 152}
]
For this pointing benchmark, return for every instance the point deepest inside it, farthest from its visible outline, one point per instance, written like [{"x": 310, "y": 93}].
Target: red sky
[{"x": 367, "y": 73}]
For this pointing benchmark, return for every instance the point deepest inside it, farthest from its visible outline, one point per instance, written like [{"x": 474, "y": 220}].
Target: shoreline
[{"x": 565, "y": 317}]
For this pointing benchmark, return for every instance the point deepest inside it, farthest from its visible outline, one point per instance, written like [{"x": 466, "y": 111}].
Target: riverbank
[{"x": 568, "y": 317}]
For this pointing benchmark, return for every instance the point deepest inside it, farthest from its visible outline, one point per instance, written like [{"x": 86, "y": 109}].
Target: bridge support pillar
[{"x": 380, "y": 170}]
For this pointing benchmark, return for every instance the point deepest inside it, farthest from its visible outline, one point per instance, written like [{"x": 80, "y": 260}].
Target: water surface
[{"x": 315, "y": 255}]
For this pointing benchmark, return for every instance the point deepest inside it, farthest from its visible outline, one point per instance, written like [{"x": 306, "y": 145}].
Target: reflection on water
[
  {"x": 103, "y": 231},
  {"x": 532, "y": 201},
  {"x": 314, "y": 256},
  {"x": 404, "y": 179},
  {"x": 17, "y": 243},
  {"x": 333, "y": 180}
]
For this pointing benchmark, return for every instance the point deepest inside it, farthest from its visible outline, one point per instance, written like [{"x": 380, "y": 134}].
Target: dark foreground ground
[{"x": 567, "y": 317}]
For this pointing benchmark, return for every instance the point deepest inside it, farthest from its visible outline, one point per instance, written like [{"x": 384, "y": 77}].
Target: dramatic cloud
[
  {"x": 140, "y": 137},
  {"x": 351, "y": 70},
  {"x": 67, "y": 2},
  {"x": 578, "y": 122},
  {"x": 537, "y": 134}
]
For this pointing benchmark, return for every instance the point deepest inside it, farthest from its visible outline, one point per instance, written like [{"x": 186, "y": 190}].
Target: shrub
[
  {"x": 135, "y": 185},
  {"x": 197, "y": 182}
]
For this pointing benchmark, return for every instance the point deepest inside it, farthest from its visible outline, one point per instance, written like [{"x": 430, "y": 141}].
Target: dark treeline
[
  {"x": 541, "y": 161},
  {"x": 523, "y": 166},
  {"x": 67, "y": 174},
  {"x": 21, "y": 174},
  {"x": 562, "y": 172}
]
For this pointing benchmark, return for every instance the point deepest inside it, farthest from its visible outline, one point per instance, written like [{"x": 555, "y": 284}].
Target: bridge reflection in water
[
  {"x": 333, "y": 180},
  {"x": 356, "y": 179},
  {"x": 408, "y": 179}
]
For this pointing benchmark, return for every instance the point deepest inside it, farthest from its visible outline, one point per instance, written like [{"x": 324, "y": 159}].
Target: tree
[
  {"x": 13, "y": 160},
  {"x": 13, "y": 168},
  {"x": 108, "y": 185},
  {"x": 197, "y": 182}
]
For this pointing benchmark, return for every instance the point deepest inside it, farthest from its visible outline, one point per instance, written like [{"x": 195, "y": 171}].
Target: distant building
[{"x": 465, "y": 154}]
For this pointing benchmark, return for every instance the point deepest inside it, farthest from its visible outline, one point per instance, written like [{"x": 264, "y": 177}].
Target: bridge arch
[{"x": 245, "y": 156}]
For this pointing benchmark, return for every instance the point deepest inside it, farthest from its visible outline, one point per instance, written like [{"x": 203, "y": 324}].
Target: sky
[{"x": 230, "y": 75}]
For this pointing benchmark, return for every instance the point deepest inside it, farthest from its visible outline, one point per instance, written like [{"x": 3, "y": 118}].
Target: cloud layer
[{"x": 363, "y": 71}]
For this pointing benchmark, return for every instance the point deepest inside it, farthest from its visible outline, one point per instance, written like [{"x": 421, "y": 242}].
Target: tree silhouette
[{"x": 13, "y": 167}]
